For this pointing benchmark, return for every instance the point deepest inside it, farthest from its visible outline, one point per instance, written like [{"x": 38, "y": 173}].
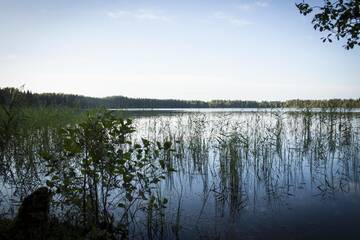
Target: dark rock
[{"x": 32, "y": 220}]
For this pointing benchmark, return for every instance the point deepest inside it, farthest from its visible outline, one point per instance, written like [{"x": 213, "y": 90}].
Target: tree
[
  {"x": 340, "y": 19},
  {"x": 98, "y": 169}
]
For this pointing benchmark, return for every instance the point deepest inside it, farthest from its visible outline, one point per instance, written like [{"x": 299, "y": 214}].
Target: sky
[{"x": 205, "y": 49}]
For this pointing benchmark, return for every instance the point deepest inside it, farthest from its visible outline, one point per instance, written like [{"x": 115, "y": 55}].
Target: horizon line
[{"x": 178, "y": 99}]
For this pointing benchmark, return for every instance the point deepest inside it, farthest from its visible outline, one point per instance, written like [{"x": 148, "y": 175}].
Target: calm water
[
  {"x": 261, "y": 174},
  {"x": 254, "y": 174}
]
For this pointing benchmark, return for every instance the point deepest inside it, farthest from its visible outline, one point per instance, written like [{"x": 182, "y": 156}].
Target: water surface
[
  {"x": 245, "y": 174},
  {"x": 261, "y": 174}
]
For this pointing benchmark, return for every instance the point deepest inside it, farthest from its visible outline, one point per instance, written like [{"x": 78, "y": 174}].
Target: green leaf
[
  {"x": 45, "y": 155},
  {"x": 49, "y": 183},
  {"x": 167, "y": 145},
  {"x": 162, "y": 163},
  {"x": 129, "y": 197},
  {"x": 121, "y": 205}
]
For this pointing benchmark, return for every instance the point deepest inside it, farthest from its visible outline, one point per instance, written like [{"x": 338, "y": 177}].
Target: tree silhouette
[
  {"x": 29, "y": 99},
  {"x": 340, "y": 19}
]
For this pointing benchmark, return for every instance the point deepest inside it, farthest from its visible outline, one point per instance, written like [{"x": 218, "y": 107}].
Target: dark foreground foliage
[
  {"x": 338, "y": 19},
  {"x": 99, "y": 178}
]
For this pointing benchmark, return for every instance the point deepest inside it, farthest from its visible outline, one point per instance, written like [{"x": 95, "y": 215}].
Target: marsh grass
[
  {"x": 227, "y": 165},
  {"x": 249, "y": 159}
]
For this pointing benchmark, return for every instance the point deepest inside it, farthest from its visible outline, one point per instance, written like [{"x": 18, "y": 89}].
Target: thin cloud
[
  {"x": 231, "y": 19},
  {"x": 139, "y": 14},
  {"x": 252, "y": 6},
  {"x": 262, "y": 4},
  {"x": 117, "y": 14},
  {"x": 245, "y": 6}
]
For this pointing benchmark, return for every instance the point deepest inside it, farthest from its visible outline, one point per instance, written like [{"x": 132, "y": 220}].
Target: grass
[{"x": 238, "y": 161}]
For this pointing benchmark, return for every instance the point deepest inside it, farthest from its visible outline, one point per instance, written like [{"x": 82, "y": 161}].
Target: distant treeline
[{"x": 27, "y": 98}]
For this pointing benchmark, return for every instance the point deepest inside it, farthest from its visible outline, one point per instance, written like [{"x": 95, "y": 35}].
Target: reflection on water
[
  {"x": 245, "y": 175},
  {"x": 248, "y": 174}
]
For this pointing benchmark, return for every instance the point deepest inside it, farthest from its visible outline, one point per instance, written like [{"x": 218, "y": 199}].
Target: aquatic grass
[{"x": 230, "y": 164}]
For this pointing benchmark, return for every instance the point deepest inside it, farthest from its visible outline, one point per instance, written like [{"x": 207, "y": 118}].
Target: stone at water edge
[{"x": 32, "y": 220}]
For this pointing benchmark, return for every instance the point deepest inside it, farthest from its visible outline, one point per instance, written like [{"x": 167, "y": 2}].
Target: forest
[{"x": 30, "y": 99}]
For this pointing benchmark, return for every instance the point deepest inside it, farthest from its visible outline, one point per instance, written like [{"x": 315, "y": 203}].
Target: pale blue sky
[{"x": 259, "y": 50}]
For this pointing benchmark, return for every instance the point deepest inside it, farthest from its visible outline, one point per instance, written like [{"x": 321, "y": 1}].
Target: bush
[{"x": 97, "y": 169}]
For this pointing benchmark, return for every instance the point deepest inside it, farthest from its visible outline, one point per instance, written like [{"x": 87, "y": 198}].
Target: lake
[
  {"x": 251, "y": 174},
  {"x": 281, "y": 174}
]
